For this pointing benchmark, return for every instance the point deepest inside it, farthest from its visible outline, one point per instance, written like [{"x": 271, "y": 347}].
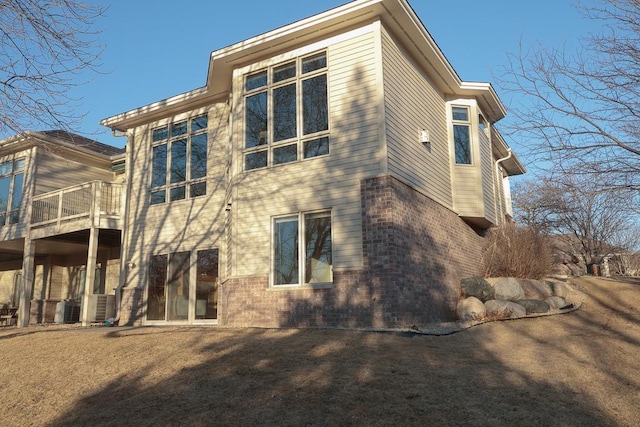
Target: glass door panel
[
  {"x": 207, "y": 285},
  {"x": 156, "y": 300},
  {"x": 178, "y": 287}
]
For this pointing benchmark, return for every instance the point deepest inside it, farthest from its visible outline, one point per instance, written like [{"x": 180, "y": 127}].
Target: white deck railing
[{"x": 83, "y": 200}]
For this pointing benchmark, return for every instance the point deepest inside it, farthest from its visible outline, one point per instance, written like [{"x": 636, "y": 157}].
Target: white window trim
[
  {"x": 301, "y": 253},
  {"x": 300, "y": 138},
  {"x": 168, "y": 186}
]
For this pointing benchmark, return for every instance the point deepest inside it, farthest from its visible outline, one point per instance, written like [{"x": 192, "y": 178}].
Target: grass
[{"x": 573, "y": 369}]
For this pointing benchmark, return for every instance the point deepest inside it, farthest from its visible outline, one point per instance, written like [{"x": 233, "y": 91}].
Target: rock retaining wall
[{"x": 509, "y": 298}]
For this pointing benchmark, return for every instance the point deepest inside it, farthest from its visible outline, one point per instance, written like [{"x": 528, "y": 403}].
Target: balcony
[{"x": 92, "y": 204}]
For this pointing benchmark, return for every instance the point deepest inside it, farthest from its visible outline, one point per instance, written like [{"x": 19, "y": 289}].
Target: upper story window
[
  {"x": 461, "y": 135},
  {"x": 11, "y": 182},
  {"x": 286, "y": 112},
  {"x": 179, "y": 165}
]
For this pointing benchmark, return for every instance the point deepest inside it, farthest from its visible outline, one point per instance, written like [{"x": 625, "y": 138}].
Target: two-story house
[
  {"x": 60, "y": 227},
  {"x": 334, "y": 172}
]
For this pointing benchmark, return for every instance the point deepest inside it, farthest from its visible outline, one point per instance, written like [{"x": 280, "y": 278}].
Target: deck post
[
  {"x": 92, "y": 254},
  {"x": 28, "y": 276}
]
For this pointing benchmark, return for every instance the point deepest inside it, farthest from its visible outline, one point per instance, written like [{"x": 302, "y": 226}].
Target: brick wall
[
  {"x": 415, "y": 253},
  {"x": 131, "y": 307}
]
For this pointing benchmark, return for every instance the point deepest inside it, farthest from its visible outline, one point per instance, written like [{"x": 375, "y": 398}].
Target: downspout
[
  {"x": 123, "y": 252},
  {"x": 497, "y": 200}
]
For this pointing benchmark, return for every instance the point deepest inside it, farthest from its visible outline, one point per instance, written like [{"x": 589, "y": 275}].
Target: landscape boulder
[
  {"x": 562, "y": 289},
  {"x": 476, "y": 287},
  {"x": 507, "y": 288},
  {"x": 471, "y": 309},
  {"x": 555, "y": 303},
  {"x": 536, "y": 289},
  {"x": 502, "y": 309},
  {"x": 534, "y": 306}
]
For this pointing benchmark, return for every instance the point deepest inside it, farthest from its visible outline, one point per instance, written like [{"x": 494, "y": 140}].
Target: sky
[{"x": 157, "y": 49}]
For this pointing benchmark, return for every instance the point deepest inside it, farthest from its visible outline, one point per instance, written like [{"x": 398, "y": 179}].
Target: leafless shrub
[{"x": 513, "y": 251}]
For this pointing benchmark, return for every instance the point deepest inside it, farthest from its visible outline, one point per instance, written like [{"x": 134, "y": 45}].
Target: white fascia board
[
  {"x": 401, "y": 19},
  {"x": 124, "y": 121},
  {"x": 307, "y": 30},
  {"x": 487, "y": 98},
  {"x": 513, "y": 165},
  {"x": 224, "y": 60},
  {"x": 396, "y": 15}
]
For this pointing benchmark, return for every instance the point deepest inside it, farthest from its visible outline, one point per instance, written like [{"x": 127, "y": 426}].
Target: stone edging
[{"x": 448, "y": 328}]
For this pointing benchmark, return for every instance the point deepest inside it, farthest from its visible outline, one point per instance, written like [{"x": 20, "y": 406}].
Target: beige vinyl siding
[
  {"x": 8, "y": 272},
  {"x": 324, "y": 183},
  {"x": 467, "y": 191},
  {"x": 488, "y": 177},
  {"x": 501, "y": 201},
  {"x": 54, "y": 172},
  {"x": 411, "y": 104},
  {"x": 184, "y": 225}
]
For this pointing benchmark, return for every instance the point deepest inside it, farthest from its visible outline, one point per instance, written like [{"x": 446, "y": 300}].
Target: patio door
[{"x": 176, "y": 293}]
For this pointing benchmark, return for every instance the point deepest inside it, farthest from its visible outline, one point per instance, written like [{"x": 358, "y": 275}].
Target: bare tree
[
  {"x": 45, "y": 45},
  {"x": 581, "y": 111},
  {"x": 593, "y": 223}
]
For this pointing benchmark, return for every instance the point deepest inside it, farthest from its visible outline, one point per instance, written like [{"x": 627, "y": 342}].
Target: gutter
[
  {"x": 123, "y": 253},
  {"x": 497, "y": 199}
]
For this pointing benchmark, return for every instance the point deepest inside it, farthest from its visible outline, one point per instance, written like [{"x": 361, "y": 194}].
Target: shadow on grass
[{"x": 328, "y": 377}]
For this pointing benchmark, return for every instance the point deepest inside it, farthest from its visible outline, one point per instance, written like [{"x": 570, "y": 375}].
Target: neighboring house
[
  {"x": 335, "y": 172},
  {"x": 60, "y": 226}
]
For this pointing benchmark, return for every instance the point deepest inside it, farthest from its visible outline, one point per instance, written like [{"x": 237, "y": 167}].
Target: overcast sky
[{"x": 160, "y": 48}]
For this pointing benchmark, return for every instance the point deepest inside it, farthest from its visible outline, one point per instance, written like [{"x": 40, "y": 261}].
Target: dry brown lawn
[{"x": 575, "y": 369}]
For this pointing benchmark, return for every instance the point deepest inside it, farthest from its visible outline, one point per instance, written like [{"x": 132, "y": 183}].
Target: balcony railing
[{"x": 83, "y": 200}]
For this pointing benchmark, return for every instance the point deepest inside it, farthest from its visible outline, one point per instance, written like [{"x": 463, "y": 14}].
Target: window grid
[
  {"x": 286, "y": 112},
  {"x": 179, "y": 160},
  {"x": 11, "y": 183},
  {"x": 461, "y": 135},
  {"x": 302, "y": 249}
]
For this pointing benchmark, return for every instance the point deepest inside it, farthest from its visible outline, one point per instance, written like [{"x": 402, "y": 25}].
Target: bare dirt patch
[{"x": 572, "y": 369}]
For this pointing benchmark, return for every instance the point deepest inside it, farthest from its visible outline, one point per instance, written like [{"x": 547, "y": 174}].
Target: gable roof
[
  {"x": 62, "y": 140},
  {"x": 397, "y": 16},
  {"x": 83, "y": 143}
]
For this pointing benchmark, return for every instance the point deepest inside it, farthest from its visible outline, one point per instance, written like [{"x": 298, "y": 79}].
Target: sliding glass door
[{"x": 176, "y": 293}]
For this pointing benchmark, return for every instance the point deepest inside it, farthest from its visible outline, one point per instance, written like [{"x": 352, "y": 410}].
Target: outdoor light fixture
[{"x": 424, "y": 136}]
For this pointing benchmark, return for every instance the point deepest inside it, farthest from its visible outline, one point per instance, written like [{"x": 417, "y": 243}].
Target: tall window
[
  {"x": 11, "y": 181},
  {"x": 302, "y": 249},
  {"x": 461, "y": 135},
  {"x": 179, "y": 164},
  {"x": 286, "y": 112}
]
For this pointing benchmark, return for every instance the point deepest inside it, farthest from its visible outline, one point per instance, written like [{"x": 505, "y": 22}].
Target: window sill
[{"x": 328, "y": 285}]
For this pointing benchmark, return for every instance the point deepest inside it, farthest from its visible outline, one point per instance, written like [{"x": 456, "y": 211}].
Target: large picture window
[
  {"x": 179, "y": 160},
  {"x": 461, "y": 135},
  {"x": 302, "y": 250},
  {"x": 286, "y": 112},
  {"x": 11, "y": 182}
]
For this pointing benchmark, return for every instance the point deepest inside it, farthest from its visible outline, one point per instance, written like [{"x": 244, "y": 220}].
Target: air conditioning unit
[
  {"x": 101, "y": 307},
  {"x": 67, "y": 312}
]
